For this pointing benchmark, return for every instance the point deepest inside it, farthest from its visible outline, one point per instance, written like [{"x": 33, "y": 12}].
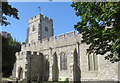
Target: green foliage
[
  {"x": 8, "y": 10},
  {"x": 95, "y": 16},
  {"x": 23, "y": 43},
  {"x": 9, "y": 48}
]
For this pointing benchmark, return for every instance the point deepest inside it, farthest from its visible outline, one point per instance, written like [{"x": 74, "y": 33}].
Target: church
[{"x": 58, "y": 58}]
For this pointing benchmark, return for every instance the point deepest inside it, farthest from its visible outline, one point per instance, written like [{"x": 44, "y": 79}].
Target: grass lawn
[
  {"x": 6, "y": 78},
  {"x": 53, "y": 82}
]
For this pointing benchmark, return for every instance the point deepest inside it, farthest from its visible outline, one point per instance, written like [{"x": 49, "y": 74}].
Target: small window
[
  {"x": 46, "y": 29},
  {"x": 33, "y": 28},
  {"x": 90, "y": 62},
  {"x": 63, "y": 62},
  {"x": 93, "y": 62},
  {"x": 39, "y": 25}
]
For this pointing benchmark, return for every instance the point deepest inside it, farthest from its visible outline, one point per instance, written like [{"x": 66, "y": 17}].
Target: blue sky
[{"x": 62, "y": 13}]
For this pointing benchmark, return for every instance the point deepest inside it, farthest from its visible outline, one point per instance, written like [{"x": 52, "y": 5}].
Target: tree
[
  {"x": 9, "y": 47},
  {"x": 8, "y": 10},
  {"x": 100, "y": 27}
]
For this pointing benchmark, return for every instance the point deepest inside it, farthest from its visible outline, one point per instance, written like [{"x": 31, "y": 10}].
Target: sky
[{"x": 63, "y": 15}]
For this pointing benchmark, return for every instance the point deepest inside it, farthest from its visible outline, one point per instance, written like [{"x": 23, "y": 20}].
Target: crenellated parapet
[
  {"x": 25, "y": 54},
  {"x": 52, "y": 38},
  {"x": 61, "y": 36},
  {"x": 71, "y": 35},
  {"x": 38, "y": 17},
  {"x": 22, "y": 54},
  {"x": 46, "y": 18},
  {"x": 35, "y": 18},
  {"x": 45, "y": 40}
]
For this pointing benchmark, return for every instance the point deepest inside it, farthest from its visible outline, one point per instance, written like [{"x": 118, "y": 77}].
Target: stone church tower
[{"x": 40, "y": 27}]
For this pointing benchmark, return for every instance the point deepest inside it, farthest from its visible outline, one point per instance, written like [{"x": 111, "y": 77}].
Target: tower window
[
  {"x": 46, "y": 29},
  {"x": 33, "y": 29}
]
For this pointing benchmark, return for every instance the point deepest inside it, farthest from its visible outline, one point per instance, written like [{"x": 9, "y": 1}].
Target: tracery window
[{"x": 63, "y": 61}]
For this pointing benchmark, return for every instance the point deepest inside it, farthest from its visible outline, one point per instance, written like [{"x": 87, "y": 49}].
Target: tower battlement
[{"x": 38, "y": 17}]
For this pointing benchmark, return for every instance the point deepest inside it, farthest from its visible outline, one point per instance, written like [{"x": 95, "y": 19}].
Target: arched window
[{"x": 63, "y": 61}]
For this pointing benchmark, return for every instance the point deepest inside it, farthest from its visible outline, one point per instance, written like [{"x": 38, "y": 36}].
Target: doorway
[{"x": 20, "y": 73}]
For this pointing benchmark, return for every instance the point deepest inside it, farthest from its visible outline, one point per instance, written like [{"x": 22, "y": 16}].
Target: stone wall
[
  {"x": 21, "y": 62},
  {"x": 32, "y": 64},
  {"x": 46, "y": 22},
  {"x": 107, "y": 71},
  {"x": 77, "y": 58}
]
